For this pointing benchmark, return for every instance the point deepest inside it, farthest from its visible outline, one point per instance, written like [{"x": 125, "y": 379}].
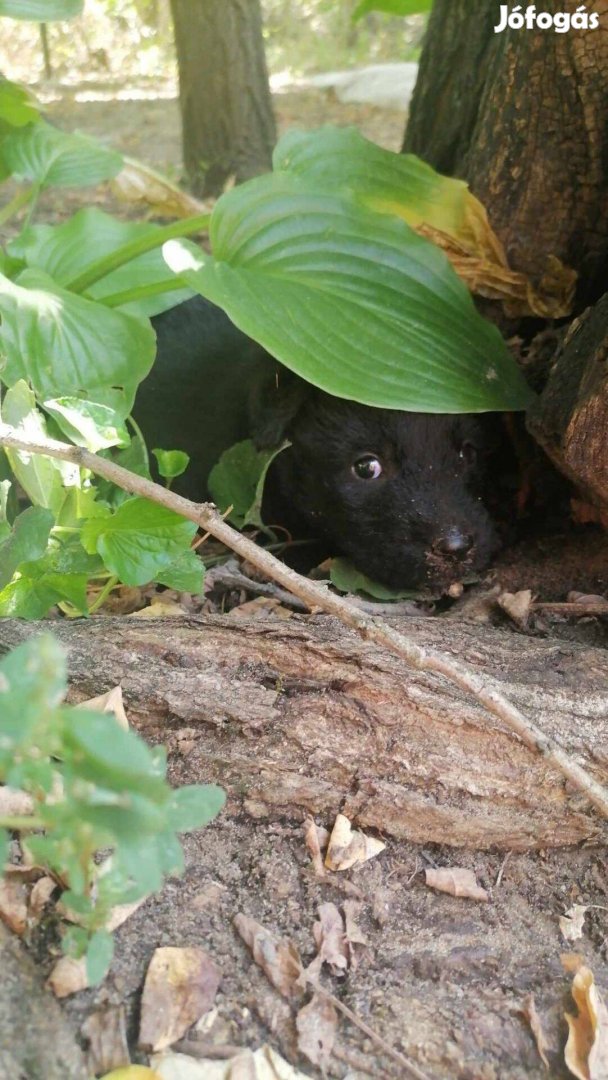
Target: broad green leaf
[
  {"x": 193, "y": 806},
  {"x": 66, "y": 346},
  {"x": 41, "y": 10},
  {"x": 347, "y": 579},
  {"x": 43, "y": 479},
  {"x": 186, "y": 574},
  {"x": 33, "y": 680},
  {"x": 392, "y": 7},
  {"x": 106, "y": 754},
  {"x": 28, "y": 540},
  {"x": 139, "y": 541},
  {"x": 53, "y": 158},
  {"x": 65, "y": 251},
  {"x": 88, "y": 424},
  {"x": 353, "y": 301},
  {"x": 171, "y": 463},
  {"x": 18, "y": 106},
  {"x": 238, "y": 481},
  {"x": 342, "y": 159},
  {"x": 100, "y": 951},
  {"x": 5, "y": 524},
  {"x": 34, "y": 592}
]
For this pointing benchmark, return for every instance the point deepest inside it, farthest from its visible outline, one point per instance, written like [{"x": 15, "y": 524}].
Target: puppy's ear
[{"x": 275, "y": 401}]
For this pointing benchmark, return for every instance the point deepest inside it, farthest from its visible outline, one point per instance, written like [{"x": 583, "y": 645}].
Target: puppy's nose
[{"x": 454, "y": 542}]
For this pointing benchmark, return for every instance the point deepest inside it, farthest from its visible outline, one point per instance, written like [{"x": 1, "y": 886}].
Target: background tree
[
  {"x": 522, "y": 115},
  {"x": 227, "y": 119}
]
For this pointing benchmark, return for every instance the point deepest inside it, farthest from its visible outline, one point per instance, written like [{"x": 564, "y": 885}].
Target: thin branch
[{"x": 485, "y": 690}]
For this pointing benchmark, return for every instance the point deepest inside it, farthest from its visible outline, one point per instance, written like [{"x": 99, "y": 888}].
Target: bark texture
[
  {"x": 570, "y": 420},
  {"x": 304, "y": 717},
  {"x": 521, "y": 116},
  {"x": 227, "y": 119}
]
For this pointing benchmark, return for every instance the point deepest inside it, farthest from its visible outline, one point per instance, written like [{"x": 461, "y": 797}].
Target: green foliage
[
  {"x": 392, "y": 7},
  {"x": 353, "y": 301},
  {"x": 109, "y": 793},
  {"x": 317, "y": 262},
  {"x": 237, "y": 481},
  {"x": 41, "y": 10},
  {"x": 345, "y": 578}
]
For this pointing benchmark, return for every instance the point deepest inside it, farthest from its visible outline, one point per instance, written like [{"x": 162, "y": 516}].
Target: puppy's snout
[{"x": 454, "y": 542}]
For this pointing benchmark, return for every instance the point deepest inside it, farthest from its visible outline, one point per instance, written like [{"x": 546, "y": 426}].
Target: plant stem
[
  {"x": 140, "y": 292},
  {"x": 18, "y": 201},
  {"x": 104, "y": 266},
  {"x": 21, "y": 823},
  {"x": 105, "y": 592}
]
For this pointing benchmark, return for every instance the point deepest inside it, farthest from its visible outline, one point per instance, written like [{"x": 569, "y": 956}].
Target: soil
[{"x": 443, "y": 980}]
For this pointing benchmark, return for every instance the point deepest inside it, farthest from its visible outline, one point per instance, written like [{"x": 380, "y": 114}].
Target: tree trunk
[
  {"x": 303, "y": 717},
  {"x": 521, "y": 116},
  {"x": 227, "y": 119}
]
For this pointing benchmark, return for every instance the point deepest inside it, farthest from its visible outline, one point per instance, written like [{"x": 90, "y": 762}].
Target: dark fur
[{"x": 422, "y": 522}]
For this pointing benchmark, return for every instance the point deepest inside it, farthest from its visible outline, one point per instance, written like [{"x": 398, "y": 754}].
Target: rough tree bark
[
  {"x": 227, "y": 119},
  {"x": 521, "y": 116},
  {"x": 305, "y": 717}
]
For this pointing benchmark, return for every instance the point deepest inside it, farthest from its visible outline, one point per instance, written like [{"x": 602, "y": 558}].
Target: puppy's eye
[
  {"x": 468, "y": 453},
  {"x": 367, "y": 468}
]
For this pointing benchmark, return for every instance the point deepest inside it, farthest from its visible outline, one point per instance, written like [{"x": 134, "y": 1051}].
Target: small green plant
[
  {"x": 319, "y": 261},
  {"x": 96, "y": 789}
]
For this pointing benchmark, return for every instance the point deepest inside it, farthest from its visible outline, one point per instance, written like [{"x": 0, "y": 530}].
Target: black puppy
[{"x": 399, "y": 493}]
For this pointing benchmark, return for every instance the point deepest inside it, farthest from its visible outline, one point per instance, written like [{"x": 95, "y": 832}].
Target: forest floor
[{"x": 444, "y": 980}]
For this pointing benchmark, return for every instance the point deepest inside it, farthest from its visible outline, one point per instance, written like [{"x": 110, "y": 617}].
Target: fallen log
[{"x": 301, "y": 716}]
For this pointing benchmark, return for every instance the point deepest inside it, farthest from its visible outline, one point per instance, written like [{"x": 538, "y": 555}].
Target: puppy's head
[{"x": 398, "y": 493}]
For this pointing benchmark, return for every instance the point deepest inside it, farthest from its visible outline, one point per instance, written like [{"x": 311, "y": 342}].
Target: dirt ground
[{"x": 443, "y": 980}]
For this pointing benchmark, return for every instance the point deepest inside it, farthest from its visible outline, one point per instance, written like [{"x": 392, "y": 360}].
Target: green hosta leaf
[
  {"x": 65, "y": 251},
  {"x": 140, "y": 541},
  {"x": 88, "y": 424},
  {"x": 186, "y": 574},
  {"x": 392, "y": 7},
  {"x": 66, "y": 346},
  {"x": 52, "y": 158},
  {"x": 353, "y": 301},
  {"x": 347, "y": 579},
  {"x": 28, "y": 540},
  {"x": 41, "y": 10},
  {"x": 42, "y": 478},
  {"x": 194, "y": 806},
  {"x": 100, "y": 951},
  {"x": 18, "y": 106},
  {"x": 171, "y": 463},
  {"x": 341, "y": 159},
  {"x": 238, "y": 481}
]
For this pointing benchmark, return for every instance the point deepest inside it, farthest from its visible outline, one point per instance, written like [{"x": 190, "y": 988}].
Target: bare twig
[{"x": 485, "y": 690}]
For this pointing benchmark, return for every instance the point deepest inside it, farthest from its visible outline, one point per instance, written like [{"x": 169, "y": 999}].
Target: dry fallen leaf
[
  {"x": 531, "y": 1015},
  {"x": 13, "y": 904},
  {"x": 517, "y": 606},
  {"x": 317, "y": 1024},
  {"x": 106, "y": 1033},
  {"x": 139, "y": 183},
  {"x": 264, "y": 1064},
  {"x": 40, "y": 896},
  {"x": 68, "y": 977},
  {"x": 180, "y": 986},
  {"x": 330, "y": 940},
  {"x": 110, "y": 702},
  {"x": 354, "y": 934},
  {"x": 316, "y": 840},
  {"x": 457, "y": 882},
  {"x": 348, "y": 847},
  {"x": 586, "y": 1053},
  {"x": 572, "y": 923},
  {"x": 15, "y": 803},
  {"x": 160, "y": 609},
  {"x": 278, "y": 958}
]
